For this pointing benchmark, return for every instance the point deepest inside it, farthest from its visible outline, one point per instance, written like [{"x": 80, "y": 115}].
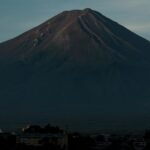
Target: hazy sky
[{"x": 17, "y": 16}]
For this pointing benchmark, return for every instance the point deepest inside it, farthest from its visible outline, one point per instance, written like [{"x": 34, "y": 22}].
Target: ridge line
[{"x": 97, "y": 38}]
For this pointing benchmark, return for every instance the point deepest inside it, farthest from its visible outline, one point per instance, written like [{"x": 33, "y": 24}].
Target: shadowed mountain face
[{"x": 77, "y": 68}]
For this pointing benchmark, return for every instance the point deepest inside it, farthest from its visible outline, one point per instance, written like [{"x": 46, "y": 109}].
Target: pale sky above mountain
[{"x": 17, "y": 16}]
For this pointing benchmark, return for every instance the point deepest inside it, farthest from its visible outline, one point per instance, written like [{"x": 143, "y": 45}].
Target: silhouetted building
[{"x": 39, "y": 139}]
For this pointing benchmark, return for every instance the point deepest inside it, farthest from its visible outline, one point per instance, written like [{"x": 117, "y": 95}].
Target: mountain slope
[
  {"x": 96, "y": 34},
  {"x": 80, "y": 65}
]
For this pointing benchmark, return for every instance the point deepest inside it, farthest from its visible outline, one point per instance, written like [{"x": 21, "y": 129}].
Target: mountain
[{"x": 78, "y": 68}]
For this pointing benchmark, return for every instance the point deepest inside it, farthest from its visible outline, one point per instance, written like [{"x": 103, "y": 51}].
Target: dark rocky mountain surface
[{"x": 77, "y": 68}]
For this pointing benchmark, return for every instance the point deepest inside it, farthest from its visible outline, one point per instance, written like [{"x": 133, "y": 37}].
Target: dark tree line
[{"x": 47, "y": 129}]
